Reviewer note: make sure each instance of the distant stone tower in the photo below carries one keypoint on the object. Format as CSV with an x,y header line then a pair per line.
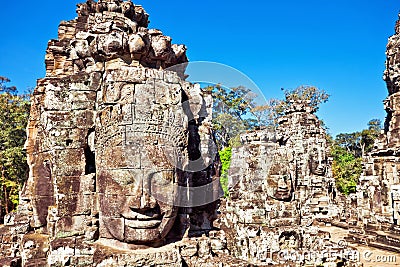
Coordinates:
x,y
302,134
375,209
379,187
280,182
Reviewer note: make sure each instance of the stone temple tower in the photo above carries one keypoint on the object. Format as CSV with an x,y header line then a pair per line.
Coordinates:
x,y
379,187
112,140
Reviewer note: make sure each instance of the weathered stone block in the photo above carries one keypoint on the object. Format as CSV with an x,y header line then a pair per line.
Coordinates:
x,y
62,100
127,94
34,246
126,74
40,210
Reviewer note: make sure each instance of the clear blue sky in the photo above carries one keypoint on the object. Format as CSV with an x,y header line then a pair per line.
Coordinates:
x,y
336,45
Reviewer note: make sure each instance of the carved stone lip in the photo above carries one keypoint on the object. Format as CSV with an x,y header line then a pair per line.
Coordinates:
x,y
282,191
319,172
138,220
282,194
136,216
136,224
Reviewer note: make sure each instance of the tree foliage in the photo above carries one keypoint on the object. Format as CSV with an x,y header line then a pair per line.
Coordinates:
x,y
14,114
347,152
232,113
311,96
236,109
360,143
225,156
346,169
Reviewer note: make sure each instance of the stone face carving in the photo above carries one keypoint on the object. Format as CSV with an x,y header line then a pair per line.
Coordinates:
x,y
139,128
289,240
137,151
111,139
279,185
317,162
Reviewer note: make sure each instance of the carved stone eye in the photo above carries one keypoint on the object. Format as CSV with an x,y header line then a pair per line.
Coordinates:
x,y
285,177
162,183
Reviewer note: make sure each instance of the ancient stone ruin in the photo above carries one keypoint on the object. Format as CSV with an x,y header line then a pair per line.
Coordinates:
x,y
376,206
112,136
281,183
124,170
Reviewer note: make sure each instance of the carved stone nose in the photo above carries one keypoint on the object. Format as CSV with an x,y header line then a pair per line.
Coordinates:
x,y
147,201
133,202
282,184
320,168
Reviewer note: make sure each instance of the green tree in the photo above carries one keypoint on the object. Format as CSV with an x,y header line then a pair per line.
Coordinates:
x,y
360,143
232,113
348,150
346,169
350,142
311,96
368,136
14,114
225,156
375,125
236,110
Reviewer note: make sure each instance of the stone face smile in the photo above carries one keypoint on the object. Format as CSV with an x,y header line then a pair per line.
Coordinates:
x,y
279,183
142,219
141,216
138,224
282,194
319,172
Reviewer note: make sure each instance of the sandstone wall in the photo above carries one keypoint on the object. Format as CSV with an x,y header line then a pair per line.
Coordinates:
x,y
114,139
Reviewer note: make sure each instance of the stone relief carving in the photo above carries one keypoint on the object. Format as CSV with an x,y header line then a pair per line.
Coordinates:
x,y
117,142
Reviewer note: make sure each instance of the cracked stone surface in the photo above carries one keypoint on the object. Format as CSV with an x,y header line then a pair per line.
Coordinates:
x,y
112,136
117,140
